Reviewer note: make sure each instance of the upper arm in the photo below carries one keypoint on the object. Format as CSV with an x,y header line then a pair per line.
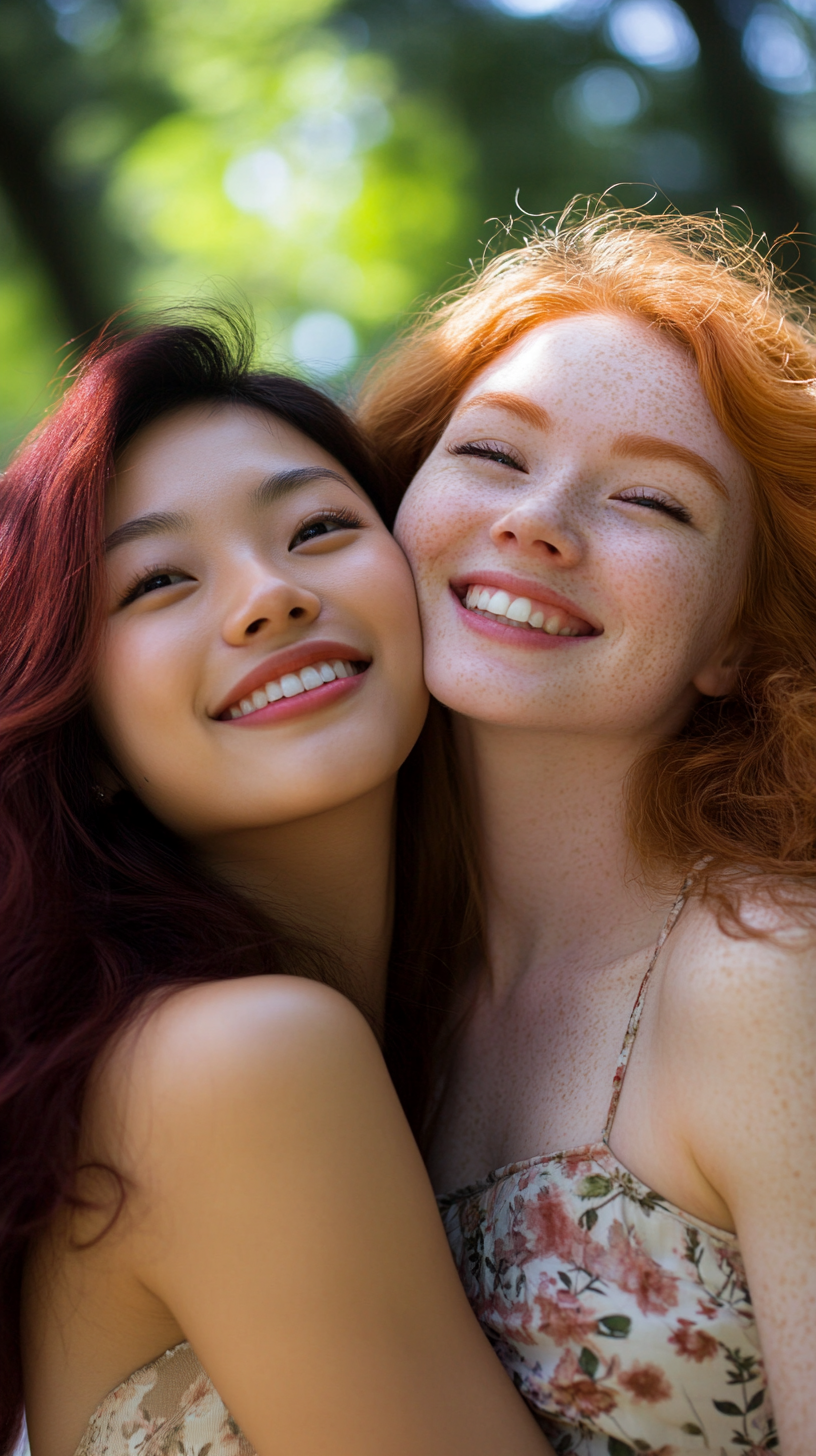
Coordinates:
x,y
751,1126
282,1214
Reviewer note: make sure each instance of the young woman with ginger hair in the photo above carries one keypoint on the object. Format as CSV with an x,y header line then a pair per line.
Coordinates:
x,y
210,674
608,441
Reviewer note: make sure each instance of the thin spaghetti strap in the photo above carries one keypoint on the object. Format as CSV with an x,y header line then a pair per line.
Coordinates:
x,y
637,1009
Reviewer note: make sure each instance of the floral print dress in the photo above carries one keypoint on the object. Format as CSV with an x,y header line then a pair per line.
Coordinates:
x,y
626,1324
168,1408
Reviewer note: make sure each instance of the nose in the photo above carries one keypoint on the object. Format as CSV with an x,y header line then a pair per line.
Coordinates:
x,y
266,605
538,526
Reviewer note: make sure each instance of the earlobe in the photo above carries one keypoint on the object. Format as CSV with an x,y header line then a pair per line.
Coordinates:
x,y
717,678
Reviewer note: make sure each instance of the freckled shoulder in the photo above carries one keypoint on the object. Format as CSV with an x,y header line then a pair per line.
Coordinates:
x,y
736,1033
723,976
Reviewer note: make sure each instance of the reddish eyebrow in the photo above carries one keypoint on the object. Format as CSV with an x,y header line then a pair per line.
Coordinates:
x,y
650,447
513,404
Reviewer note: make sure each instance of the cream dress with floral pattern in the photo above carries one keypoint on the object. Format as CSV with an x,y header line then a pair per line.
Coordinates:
x,y
168,1408
626,1324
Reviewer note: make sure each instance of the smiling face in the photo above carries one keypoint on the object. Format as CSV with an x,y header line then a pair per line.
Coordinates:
x,y
579,536
262,659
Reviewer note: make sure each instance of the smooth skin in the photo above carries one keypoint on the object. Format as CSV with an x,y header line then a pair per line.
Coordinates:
x,y
277,1213
586,461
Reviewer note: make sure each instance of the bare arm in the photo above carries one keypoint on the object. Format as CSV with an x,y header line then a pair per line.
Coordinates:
x,y
751,1126
280,1213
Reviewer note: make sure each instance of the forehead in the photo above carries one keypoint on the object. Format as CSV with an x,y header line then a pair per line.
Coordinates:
x,y
204,450
608,373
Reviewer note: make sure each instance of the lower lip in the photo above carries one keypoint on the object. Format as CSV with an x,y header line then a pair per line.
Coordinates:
x,y
310,701
537,640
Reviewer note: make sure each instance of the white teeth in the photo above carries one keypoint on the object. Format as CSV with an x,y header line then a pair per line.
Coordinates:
x,y
520,610
499,602
291,684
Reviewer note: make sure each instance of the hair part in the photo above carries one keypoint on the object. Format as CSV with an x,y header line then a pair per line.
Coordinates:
x,y
737,786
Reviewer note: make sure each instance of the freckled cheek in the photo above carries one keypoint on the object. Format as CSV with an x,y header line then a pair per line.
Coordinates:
x,y
433,521
672,603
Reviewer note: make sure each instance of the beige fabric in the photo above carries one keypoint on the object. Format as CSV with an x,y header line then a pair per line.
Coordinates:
x,y
168,1408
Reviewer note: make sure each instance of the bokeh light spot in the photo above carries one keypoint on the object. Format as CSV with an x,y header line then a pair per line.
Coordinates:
x,y
259,182
607,96
776,52
532,7
653,33
324,343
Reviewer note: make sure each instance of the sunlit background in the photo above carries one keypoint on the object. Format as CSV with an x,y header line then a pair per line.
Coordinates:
x,y
333,164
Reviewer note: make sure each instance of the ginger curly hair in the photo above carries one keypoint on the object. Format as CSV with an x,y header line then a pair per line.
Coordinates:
x,y
737,786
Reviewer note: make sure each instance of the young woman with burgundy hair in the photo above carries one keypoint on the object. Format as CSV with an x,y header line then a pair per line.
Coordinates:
x,y
608,440
210,674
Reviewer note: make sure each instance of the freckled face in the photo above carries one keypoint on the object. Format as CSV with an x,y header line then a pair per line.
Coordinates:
x,y
579,536
262,659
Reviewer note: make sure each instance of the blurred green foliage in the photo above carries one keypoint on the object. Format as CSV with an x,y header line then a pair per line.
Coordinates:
x,y
334,163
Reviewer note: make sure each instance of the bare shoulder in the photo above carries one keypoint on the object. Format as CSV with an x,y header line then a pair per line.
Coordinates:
x,y
741,982
215,1055
737,1031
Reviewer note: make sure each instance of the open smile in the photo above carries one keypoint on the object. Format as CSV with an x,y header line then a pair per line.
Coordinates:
x,y
538,616
294,681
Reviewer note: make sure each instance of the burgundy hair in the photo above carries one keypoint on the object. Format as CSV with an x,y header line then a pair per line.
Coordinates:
x,y
100,904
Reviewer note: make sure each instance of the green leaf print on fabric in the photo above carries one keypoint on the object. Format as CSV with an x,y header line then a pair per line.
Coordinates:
x,y
626,1326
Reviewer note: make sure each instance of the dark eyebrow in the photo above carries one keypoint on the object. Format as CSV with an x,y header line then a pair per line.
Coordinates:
x,y
157,523
514,404
284,482
651,447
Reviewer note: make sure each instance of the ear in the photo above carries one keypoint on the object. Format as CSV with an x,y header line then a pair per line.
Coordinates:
x,y
717,677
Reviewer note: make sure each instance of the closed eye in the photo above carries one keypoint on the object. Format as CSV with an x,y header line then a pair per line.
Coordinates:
x,y
654,501
491,450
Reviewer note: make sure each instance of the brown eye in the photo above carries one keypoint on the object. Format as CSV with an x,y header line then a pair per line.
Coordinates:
x,y
324,525
154,580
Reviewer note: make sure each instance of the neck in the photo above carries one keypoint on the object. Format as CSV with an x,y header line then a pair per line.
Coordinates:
x,y
561,881
330,876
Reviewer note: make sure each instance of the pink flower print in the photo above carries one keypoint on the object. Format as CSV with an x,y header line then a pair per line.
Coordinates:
x,y
706,1309
575,1393
551,1226
562,1317
554,1232
513,1246
730,1260
645,1383
633,1270
697,1345
578,1165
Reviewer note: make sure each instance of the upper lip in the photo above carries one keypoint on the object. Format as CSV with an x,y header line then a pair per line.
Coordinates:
x,y
522,586
288,659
